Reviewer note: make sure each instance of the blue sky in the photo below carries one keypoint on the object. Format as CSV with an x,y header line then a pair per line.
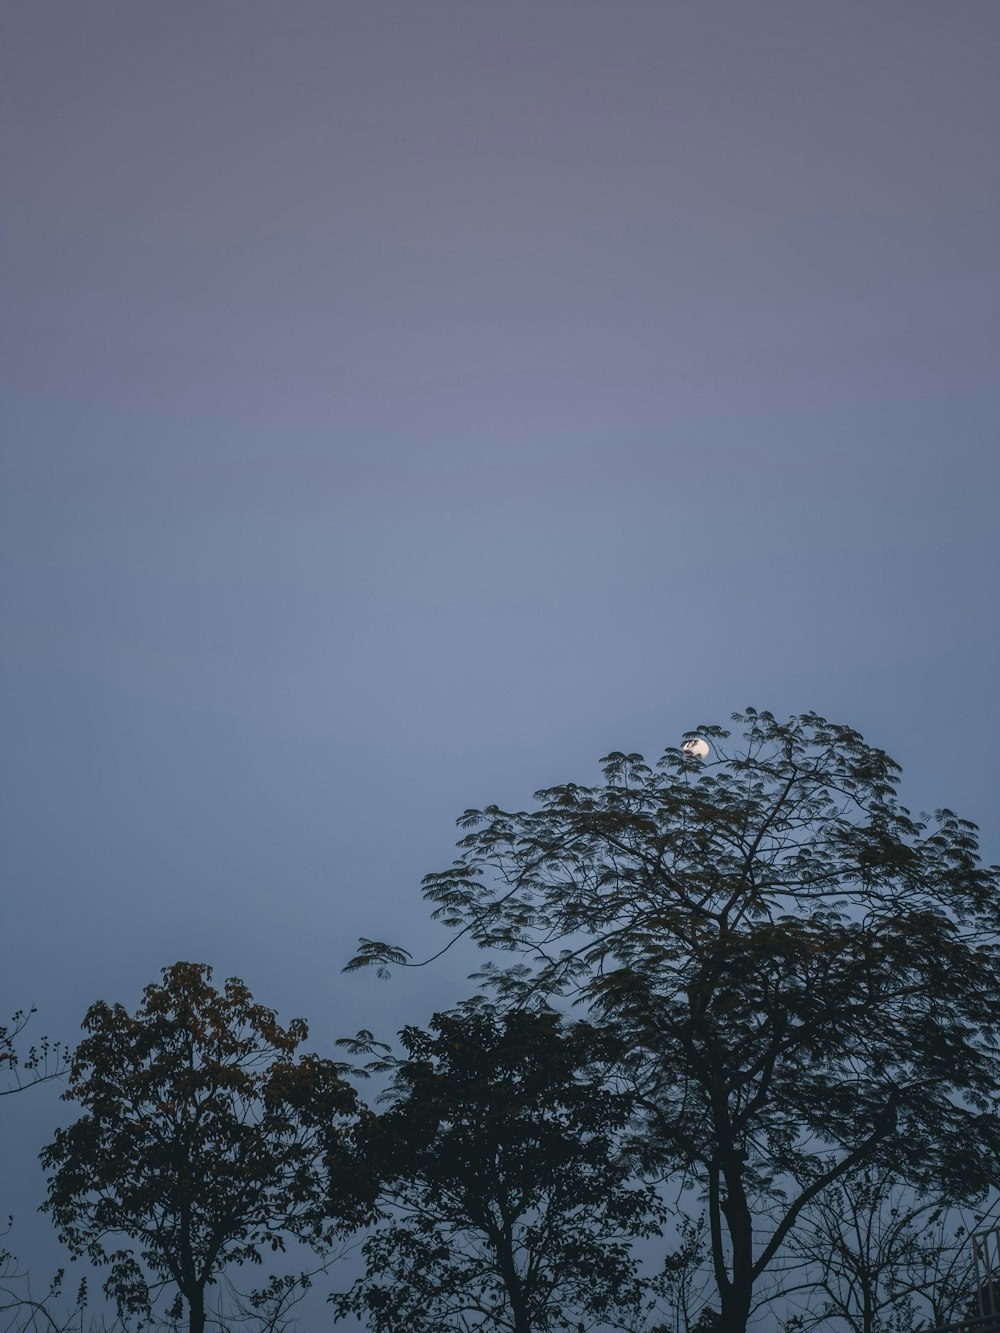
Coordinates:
x,y
405,405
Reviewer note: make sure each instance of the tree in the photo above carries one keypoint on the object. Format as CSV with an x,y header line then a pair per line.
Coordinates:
x,y
203,1139
507,1204
267,1310
882,1255
807,973
682,1284
24,1311
43,1061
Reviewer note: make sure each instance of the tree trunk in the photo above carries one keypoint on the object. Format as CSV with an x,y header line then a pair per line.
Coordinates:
x,y
735,1311
518,1305
196,1311
737,1297
512,1281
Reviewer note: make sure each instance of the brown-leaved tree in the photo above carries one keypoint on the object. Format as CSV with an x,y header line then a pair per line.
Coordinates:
x,y
203,1140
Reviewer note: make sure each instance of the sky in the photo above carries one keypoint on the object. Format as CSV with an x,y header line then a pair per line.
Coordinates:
x,y
404,405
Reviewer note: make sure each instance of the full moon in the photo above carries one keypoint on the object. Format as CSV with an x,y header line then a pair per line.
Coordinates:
x,y
696,746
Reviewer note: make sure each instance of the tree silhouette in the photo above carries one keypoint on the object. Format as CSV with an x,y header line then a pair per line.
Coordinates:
x,y
507,1204
43,1061
203,1139
882,1256
807,975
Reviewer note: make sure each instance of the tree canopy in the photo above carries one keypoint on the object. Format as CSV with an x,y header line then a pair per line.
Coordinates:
x,y
806,974
507,1201
204,1139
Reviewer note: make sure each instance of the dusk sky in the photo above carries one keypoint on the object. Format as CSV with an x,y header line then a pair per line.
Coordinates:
x,y
405,404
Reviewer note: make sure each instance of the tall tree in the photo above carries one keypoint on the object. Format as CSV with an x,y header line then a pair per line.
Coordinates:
x,y
808,974
204,1138
507,1204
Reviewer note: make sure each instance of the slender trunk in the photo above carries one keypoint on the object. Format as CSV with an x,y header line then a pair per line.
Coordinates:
x,y
512,1281
735,1286
737,1295
518,1305
196,1310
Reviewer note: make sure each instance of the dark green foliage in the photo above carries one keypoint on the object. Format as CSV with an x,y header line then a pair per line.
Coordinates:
x,y
203,1139
507,1203
807,975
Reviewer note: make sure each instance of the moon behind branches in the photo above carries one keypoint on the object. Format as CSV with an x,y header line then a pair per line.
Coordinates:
x,y
696,746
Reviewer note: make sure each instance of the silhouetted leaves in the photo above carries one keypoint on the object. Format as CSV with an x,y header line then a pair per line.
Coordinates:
x,y
203,1140
44,1059
507,1201
806,974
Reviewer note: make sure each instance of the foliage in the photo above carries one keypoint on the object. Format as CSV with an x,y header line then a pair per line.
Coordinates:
x,y
43,1061
808,974
21,1309
506,1201
682,1284
269,1309
882,1257
203,1139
